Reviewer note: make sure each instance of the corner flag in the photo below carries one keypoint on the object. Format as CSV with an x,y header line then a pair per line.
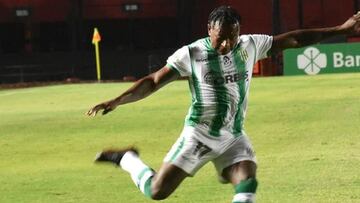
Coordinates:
x,y
96,36
95,40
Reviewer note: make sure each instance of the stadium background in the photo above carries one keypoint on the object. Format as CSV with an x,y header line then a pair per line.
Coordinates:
x,y
305,129
43,40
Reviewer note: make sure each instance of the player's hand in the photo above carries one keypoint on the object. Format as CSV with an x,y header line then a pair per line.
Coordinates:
x,y
352,25
106,107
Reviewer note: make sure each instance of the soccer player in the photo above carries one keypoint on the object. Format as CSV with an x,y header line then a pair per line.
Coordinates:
x,y
219,70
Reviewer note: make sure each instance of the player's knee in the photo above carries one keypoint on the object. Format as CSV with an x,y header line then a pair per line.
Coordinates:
x,y
160,190
165,182
159,193
239,172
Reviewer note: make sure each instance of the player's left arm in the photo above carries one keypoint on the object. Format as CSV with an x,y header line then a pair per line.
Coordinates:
x,y
305,37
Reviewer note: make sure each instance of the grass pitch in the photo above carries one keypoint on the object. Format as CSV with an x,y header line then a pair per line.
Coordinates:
x,y
305,130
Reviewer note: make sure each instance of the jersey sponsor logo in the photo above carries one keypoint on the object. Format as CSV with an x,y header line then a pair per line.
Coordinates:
x,y
312,61
210,57
215,78
226,60
203,60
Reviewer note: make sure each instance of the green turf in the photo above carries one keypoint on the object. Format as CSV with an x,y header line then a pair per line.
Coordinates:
x,y
305,130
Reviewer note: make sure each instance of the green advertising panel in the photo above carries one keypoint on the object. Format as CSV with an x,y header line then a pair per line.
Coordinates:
x,y
322,59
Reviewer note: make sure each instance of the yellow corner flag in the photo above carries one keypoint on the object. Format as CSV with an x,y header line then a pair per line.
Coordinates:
x,y
95,40
96,36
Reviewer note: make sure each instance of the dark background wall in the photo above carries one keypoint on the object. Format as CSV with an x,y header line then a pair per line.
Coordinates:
x,y
54,41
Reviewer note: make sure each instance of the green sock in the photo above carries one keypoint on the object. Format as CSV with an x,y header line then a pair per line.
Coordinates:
x,y
140,173
145,179
245,191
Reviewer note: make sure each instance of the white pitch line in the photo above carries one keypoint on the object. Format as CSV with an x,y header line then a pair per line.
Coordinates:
x,y
14,93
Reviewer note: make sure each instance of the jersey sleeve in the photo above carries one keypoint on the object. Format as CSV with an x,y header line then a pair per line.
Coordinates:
x,y
263,44
180,61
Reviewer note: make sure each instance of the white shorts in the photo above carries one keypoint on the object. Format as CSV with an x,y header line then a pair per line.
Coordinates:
x,y
194,148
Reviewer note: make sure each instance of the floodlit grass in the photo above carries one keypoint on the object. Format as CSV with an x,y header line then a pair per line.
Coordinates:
x,y
305,130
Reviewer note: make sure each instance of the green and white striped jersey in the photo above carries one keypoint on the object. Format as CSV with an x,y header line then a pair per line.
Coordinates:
x,y
219,83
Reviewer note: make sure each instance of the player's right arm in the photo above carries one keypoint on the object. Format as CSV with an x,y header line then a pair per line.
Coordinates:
x,y
141,89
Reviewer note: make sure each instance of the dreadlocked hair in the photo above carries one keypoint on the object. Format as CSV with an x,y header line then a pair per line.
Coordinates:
x,y
224,15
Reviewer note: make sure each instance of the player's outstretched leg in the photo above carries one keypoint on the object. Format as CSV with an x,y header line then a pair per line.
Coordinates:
x,y
129,160
156,186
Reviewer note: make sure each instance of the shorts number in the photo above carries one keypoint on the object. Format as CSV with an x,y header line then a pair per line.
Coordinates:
x,y
201,149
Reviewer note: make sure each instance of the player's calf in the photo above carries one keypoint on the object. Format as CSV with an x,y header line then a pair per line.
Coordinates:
x,y
245,191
